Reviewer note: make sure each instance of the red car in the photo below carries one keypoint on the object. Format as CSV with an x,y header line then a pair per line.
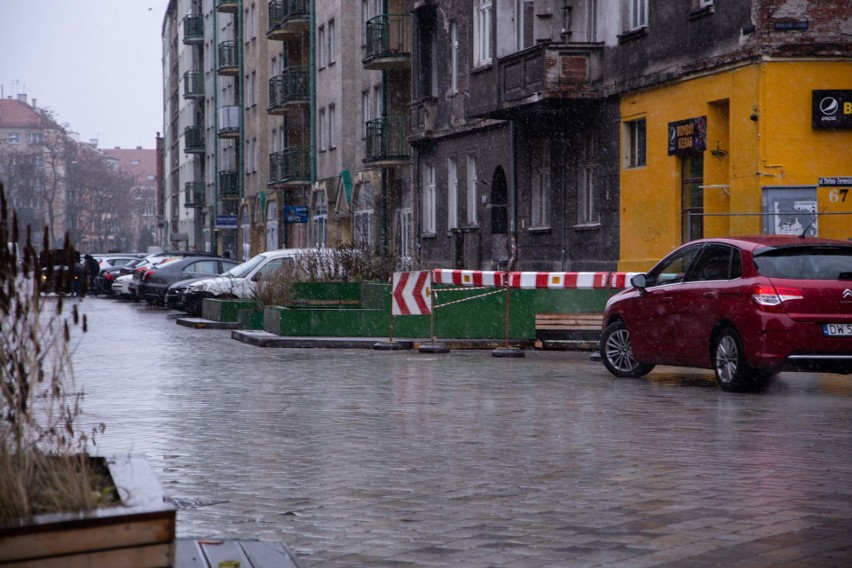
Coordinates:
x,y
746,307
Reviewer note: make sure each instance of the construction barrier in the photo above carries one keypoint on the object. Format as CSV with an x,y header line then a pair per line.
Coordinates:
x,y
533,280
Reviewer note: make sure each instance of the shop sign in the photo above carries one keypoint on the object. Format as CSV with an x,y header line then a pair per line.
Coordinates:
x,y
688,136
296,213
226,221
831,109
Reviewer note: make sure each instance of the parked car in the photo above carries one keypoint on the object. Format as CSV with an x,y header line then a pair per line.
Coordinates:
x,y
106,278
176,293
240,281
156,280
745,307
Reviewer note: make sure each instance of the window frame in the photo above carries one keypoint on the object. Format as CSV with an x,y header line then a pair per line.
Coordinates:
x,y
428,200
472,190
541,179
636,143
637,14
452,193
483,16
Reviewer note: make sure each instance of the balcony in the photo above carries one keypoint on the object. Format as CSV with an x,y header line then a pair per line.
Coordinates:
x,y
387,142
229,121
288,19
228,62
193,29
290,167
422,117
388,42
290,90
193,140
227,6
194,194
193,85
229,185
538,78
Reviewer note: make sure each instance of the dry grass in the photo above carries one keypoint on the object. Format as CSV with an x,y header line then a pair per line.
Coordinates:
x,y
44,463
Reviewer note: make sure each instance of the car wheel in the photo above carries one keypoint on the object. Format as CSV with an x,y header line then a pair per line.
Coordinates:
x,y
732,372
617,353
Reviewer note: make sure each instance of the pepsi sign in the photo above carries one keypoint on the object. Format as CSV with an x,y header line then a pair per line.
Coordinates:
x,y
831,109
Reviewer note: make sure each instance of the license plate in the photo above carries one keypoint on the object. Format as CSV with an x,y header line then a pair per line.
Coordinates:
x,y
837,329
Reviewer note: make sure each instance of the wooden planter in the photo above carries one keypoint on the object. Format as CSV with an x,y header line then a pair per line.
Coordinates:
x,y
138,533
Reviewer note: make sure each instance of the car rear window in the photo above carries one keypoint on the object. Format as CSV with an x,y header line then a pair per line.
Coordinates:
x,y
805,262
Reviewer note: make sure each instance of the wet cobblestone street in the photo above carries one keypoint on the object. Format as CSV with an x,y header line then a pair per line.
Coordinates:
x,y
401,459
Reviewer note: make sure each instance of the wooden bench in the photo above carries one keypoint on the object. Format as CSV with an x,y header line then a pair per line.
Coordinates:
x,y
579,330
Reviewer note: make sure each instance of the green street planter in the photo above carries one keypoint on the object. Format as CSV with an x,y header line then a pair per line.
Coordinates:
x,y
138,532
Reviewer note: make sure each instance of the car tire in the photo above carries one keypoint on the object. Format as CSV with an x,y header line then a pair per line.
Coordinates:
x,y
732,372
617,353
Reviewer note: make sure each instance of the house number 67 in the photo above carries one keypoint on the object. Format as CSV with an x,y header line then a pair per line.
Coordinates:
x,y
836,195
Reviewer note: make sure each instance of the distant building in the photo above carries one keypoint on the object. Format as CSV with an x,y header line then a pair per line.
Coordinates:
x,y
141,164
32,168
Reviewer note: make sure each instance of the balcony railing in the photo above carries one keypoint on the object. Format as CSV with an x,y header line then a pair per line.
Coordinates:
x,y
231,6
229,121
193,140
387,141
193,85
228,61
536,78
289,90
194,194
193,29
388,42
290,166
288,18
229,185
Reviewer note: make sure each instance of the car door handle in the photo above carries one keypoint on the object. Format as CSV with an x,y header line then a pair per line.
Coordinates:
x,y
711,295
667,299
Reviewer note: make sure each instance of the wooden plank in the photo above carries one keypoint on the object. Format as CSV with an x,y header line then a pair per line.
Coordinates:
x,y
152,556
188,554
569,322
224,551
72,540
268,554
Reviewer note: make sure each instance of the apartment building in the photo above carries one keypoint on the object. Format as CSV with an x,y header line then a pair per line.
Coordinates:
x,y
33,167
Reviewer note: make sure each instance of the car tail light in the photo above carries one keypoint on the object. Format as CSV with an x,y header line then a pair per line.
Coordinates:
x,y
772,298
147,275
109,277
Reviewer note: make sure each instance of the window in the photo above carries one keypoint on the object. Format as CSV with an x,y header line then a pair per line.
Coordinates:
x,y
471,190
692,196
319,219
717,262
253,89
406,223
637,14
245,230
362,226
332,40
452,193
332,126
672,270
271,225
321,47
321,130
429,199
454,58
587,206
35,138
540,180
377,100
591,20
365,112
134,162
523,24
365,17
482,32
635,142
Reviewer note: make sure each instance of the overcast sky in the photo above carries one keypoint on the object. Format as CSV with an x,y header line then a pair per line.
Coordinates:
x,y
95,63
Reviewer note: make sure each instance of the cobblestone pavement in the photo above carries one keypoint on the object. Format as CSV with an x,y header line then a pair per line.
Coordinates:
x,y
406,460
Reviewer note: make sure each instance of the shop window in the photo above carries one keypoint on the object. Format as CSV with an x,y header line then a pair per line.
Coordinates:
x,y
692,196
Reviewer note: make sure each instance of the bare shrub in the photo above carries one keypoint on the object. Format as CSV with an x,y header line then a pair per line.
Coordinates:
x,y
277,288
347,263
44,462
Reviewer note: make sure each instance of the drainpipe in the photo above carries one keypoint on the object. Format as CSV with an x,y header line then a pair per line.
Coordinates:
x,y
216,234
313,90
383,202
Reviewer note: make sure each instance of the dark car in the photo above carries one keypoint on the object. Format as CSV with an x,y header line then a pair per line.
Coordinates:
x,y
107,276
745,307
156,280
176,294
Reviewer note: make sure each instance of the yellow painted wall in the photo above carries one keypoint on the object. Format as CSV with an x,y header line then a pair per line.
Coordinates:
x,y
779,148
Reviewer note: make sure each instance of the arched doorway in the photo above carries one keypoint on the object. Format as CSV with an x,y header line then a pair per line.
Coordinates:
x,y
499,217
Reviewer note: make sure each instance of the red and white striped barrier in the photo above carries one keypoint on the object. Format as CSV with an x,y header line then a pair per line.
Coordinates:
x,y
534,280
477,278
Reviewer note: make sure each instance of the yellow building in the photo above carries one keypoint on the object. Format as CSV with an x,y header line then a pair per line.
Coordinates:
x,y
743,150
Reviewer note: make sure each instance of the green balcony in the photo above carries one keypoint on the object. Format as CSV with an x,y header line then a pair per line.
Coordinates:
x,y
193,29
193,85
228,61
288,19
290,90
194,194
193,140
290,167
388,42
229,185
227,6
387,142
